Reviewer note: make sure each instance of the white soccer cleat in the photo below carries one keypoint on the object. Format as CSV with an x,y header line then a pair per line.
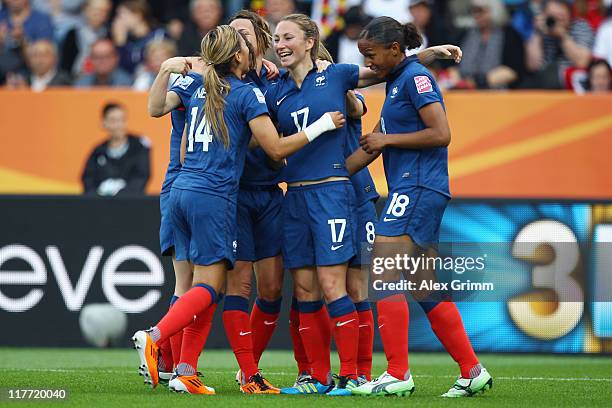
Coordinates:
x,y
240,379
468,387
386,384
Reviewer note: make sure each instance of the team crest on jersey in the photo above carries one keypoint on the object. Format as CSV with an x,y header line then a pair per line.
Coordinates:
x,y
320,81
184,82
394,92
423,84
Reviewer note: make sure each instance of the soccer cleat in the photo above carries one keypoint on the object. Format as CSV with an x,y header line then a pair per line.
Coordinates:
x,y
240,379
147,353
362,379
308,386
343,387
258,385
189,384
468,387
386,384
164,378
302,378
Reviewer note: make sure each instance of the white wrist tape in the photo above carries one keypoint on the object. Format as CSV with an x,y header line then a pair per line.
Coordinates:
x,y
319,126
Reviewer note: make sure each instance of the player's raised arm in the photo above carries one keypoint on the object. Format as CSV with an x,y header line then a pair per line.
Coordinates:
x,y
369,76
161,101
278,148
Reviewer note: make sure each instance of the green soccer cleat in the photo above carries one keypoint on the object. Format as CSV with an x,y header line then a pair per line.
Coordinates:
x,y
468,387
386,384
343,387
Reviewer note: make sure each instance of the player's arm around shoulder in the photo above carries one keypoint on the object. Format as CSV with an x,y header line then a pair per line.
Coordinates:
x,y
161,101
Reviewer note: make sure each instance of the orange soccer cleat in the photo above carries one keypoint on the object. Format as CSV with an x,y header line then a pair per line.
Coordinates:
x,y
189,384
259,385
148,354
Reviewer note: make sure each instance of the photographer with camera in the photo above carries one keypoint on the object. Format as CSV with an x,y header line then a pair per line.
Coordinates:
x,y
557,44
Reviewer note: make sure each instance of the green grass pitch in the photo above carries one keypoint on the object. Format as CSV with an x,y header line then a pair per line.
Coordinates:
x,y
109,378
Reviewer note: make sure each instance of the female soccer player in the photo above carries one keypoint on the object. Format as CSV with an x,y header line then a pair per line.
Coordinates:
x,y
259,230
319,232
162,101
221,116
414,139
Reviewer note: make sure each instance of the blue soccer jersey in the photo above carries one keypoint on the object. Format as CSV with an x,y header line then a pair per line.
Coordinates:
x,y
365,190
295,108
257,172
409,88
184,87
209,166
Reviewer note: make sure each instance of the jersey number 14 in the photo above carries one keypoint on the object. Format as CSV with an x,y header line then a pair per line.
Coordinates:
x,y
202,133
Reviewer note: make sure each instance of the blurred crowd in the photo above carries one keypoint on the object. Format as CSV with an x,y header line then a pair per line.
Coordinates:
x,y
507,44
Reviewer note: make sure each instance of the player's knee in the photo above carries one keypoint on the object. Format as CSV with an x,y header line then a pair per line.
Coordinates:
x,y
270,292
332,288
356,291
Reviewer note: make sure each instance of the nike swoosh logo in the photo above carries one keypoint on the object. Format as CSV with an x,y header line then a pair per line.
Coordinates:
x,y
303,328
340,324
334,247
244,333
267,323
364,325
381,326
281,100
389,219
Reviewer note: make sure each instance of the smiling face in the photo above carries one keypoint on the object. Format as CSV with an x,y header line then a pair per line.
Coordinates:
x,y
290,44
245,27
379,58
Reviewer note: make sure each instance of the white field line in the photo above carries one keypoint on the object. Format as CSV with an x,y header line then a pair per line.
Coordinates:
x,y
105,371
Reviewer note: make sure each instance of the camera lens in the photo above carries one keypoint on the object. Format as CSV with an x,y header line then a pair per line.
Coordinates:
x,y
550,22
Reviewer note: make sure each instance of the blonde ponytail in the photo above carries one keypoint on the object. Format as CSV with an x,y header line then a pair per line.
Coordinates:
x,y
218,49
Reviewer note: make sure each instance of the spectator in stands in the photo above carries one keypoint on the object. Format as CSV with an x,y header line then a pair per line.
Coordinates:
x,y
120,165
205,15
558,43
41,58
156,52
64,14
343,45
105,70
493,52
20,24
275,10
398,9
132,29
77,42
592,11
433,30
603,40
599,77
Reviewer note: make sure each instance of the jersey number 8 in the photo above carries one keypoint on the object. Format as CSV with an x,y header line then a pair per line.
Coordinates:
x,y
202,133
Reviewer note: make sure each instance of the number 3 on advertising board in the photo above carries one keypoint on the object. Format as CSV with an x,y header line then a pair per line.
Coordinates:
x,y
530,311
